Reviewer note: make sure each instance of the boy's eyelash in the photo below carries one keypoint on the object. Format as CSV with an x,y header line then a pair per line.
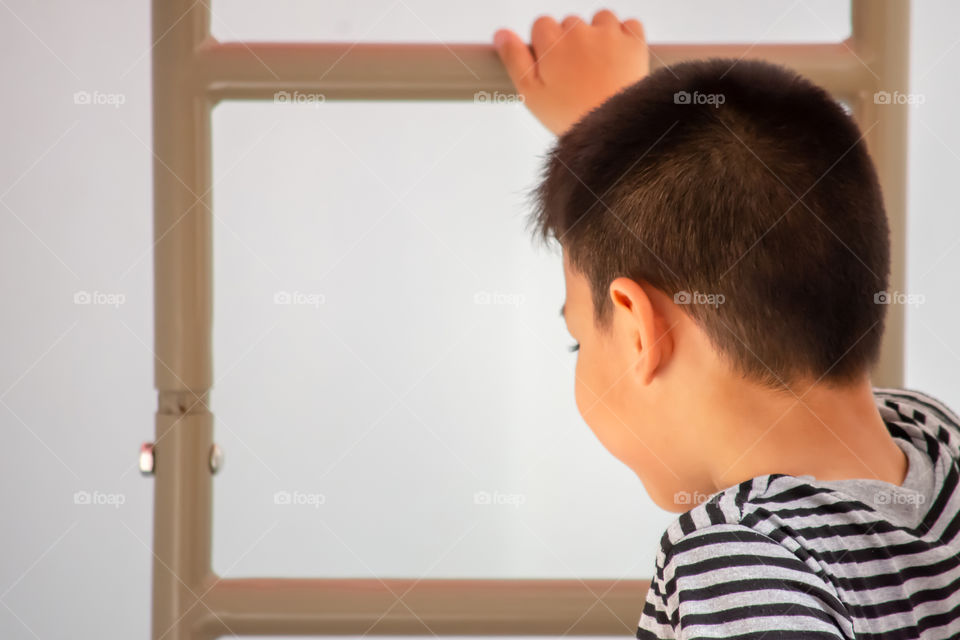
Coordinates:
x,y
575,347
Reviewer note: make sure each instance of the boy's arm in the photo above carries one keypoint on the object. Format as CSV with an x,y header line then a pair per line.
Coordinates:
x,y
727,580
572,67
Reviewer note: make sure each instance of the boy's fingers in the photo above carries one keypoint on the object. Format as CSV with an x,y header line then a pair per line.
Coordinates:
x,y
544,33
635,28
570,22
605,17
516,57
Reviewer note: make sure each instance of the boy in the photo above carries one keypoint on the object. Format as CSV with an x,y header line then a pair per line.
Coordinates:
x,y
725,250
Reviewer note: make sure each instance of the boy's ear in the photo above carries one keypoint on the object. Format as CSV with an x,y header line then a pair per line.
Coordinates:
x,y
642,325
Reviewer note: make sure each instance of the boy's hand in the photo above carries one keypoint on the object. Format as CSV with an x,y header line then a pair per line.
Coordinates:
x,y
572,67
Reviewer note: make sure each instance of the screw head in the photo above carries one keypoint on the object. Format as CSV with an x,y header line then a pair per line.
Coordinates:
x,y
147,459
216,458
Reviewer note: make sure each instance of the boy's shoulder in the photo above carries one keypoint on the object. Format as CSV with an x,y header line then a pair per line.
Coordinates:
x,y
757,548
729,515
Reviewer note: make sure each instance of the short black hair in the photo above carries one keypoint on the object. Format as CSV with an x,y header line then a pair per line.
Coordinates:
x,y
731,178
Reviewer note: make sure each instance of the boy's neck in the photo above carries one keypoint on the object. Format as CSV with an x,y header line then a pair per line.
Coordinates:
x,y
829,433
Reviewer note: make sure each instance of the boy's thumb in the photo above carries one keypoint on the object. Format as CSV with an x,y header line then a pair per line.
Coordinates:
x,y
515,55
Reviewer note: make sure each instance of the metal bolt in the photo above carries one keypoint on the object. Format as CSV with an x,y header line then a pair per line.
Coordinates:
x,y
147,459
216,458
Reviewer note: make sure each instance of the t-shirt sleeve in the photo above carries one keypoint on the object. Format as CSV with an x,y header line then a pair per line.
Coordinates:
x,y
728,581
655,621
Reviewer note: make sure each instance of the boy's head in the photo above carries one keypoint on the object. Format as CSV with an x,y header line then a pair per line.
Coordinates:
x,y
722,227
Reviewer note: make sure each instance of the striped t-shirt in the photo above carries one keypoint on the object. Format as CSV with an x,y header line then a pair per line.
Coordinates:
x,y
781,556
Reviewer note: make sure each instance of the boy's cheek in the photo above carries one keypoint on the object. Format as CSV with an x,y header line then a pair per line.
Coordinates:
x,y
586,403
632,429
599,403
584,386
609,427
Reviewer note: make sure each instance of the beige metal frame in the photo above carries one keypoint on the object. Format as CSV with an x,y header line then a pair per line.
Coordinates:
x,y
191,73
